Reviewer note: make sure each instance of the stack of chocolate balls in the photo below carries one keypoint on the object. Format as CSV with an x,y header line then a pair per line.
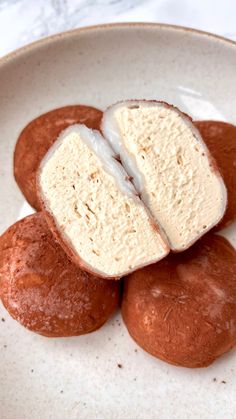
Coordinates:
x,y
181,309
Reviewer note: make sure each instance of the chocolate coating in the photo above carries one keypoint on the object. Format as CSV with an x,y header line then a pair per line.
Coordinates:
x,y
183,309
220,138
38,136
43,290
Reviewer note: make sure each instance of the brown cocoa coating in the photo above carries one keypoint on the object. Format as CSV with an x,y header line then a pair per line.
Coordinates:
x,y
183,309
38,136
220,138
43,290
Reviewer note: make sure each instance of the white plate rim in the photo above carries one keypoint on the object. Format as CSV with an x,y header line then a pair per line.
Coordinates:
x,y
124,25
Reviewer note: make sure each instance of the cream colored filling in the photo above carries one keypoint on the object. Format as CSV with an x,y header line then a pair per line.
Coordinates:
x,y
170,166
94,206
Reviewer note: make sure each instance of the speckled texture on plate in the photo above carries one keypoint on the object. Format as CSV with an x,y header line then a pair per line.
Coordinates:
x,y
105,375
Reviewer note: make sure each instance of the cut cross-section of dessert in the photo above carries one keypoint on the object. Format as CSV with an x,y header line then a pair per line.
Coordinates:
x,y
92,206
172,169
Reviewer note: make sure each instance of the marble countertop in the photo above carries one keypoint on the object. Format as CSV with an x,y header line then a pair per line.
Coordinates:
x,y
23,21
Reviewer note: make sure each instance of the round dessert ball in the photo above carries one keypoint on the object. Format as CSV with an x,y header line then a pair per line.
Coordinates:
x,y
183,309
43,290
38,136
220,138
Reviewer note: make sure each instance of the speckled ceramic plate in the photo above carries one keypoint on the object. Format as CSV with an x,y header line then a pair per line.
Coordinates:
x,y
70,378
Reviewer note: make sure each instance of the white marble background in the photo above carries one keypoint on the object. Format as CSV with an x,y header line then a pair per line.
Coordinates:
x,y
23,21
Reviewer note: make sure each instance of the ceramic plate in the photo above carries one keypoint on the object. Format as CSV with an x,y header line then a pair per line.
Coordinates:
x,y
79,377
